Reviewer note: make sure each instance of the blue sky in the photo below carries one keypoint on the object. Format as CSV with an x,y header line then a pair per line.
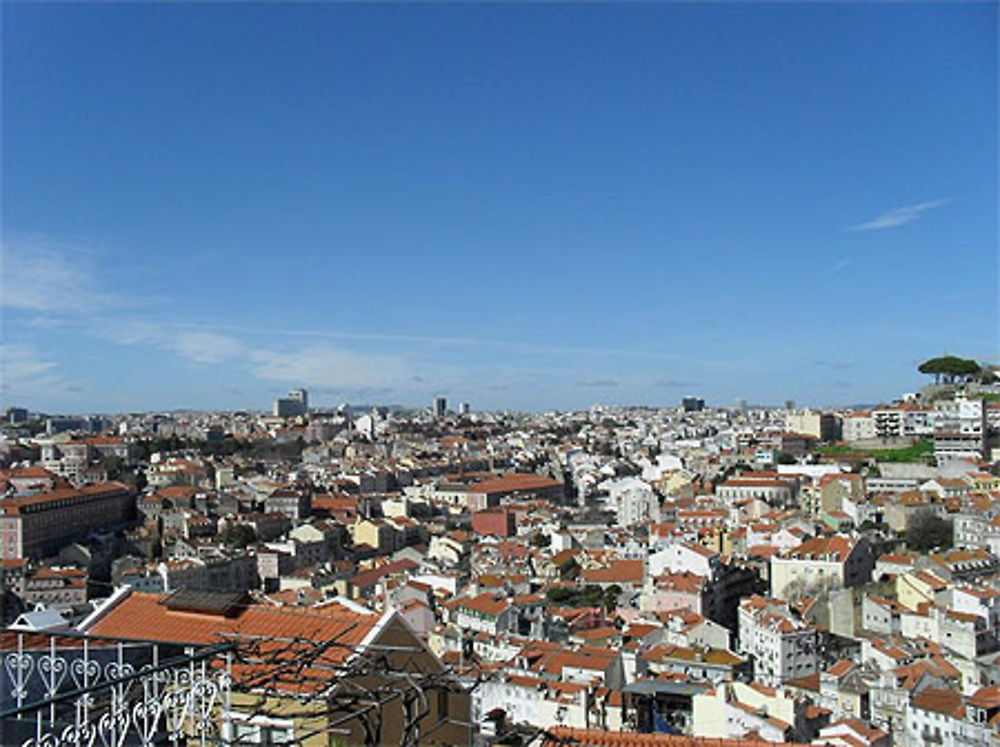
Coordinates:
x,y
521,206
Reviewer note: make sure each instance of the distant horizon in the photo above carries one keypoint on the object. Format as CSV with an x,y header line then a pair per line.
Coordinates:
x,y
526,206
324,408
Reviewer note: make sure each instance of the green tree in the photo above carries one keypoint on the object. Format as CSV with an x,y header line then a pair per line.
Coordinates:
x,y
611,597
950,368
926,530
540,539
238,535
113,465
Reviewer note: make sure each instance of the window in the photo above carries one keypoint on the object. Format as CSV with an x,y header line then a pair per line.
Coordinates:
x,y
442,704
262,730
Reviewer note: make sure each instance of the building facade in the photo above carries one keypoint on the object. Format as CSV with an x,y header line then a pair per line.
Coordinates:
x,y
39,525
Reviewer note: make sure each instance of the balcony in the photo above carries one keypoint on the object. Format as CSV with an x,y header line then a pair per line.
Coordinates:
x,y
70,689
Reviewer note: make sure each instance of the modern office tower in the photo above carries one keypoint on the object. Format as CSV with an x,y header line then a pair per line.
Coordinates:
x,y
293,405
464,409
16,415
440,407
693,404
301,396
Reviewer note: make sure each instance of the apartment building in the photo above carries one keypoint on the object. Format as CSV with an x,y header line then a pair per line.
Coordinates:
x,y
858,426
764,486
823,426
822,562
960,429
782,646
39,525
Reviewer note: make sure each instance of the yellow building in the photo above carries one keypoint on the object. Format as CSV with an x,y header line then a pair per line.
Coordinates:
x,y
918,587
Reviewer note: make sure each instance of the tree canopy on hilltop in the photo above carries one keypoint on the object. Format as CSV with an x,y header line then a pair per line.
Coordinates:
x,y
950,368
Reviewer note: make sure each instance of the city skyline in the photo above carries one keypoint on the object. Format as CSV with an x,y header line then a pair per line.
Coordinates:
x,y
524,207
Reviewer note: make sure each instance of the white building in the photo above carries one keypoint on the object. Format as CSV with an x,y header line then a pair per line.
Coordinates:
x,y
858,426
533,701
960,429
635,502
938,716
821,563
681,557
735,709
782,646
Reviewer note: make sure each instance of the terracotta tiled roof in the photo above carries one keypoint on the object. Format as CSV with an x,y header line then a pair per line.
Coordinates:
x,y
841,668
809,682
28,472
515,483
487,604
899,559
836,548
373,576
66,573
859,727
18,503
145,617
986,697
620,571
947,702
597,738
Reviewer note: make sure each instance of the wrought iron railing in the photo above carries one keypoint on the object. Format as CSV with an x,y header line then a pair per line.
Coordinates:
x,y
91,691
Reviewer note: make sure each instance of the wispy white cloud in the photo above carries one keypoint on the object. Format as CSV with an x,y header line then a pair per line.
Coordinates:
x,y
330,367
206,347
842,264
898,216
673,383
24,372
433,341
598,383
22,361
41,275
127,331
323,367
836,365
198,345
58,286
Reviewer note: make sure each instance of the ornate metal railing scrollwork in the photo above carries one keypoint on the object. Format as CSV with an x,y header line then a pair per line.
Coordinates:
x,y
63,689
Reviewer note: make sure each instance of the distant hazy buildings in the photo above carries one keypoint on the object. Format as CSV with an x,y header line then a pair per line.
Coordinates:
x,y
295,404
87,424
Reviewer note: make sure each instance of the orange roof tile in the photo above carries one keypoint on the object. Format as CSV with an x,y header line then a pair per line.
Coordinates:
x,y
515,483
143,616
